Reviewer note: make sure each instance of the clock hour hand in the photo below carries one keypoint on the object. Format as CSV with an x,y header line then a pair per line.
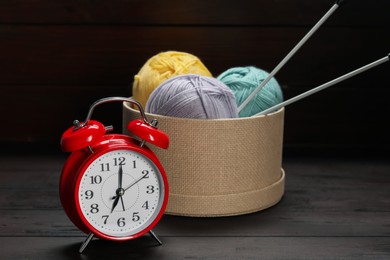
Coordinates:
x,y
115,203
119,194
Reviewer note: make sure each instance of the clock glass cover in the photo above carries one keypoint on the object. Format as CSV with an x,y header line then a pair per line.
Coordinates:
x,y
120,193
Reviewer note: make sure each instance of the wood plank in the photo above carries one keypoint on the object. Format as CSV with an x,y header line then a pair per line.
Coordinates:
x,y
43,113
106,55
332,209
200,248
277,221
190,12
323,197
340,115
324,184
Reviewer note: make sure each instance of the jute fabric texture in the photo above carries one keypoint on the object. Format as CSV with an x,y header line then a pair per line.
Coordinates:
x,y
220,167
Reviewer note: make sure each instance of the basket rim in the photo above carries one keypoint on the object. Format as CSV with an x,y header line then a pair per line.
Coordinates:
x,y
127,105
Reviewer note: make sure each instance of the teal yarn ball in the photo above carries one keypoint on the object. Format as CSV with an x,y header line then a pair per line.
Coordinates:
x,y
192,96
243,80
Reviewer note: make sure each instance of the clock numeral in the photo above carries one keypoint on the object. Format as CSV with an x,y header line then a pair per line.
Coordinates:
x,y
88,194
145,205
134,164
136,217
145,172
119,161
105,217
121,222
104,167
94,208
96,179
150,189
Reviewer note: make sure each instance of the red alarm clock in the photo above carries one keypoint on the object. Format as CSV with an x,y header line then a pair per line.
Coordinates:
x,y
113,186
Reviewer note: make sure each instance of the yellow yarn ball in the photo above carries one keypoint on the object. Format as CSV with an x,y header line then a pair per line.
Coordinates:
x,y
162,67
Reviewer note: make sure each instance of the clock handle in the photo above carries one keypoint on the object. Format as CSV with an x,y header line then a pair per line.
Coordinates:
x,y
83,134
115,99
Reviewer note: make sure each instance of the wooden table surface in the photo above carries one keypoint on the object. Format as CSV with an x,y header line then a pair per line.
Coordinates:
x,y
333,208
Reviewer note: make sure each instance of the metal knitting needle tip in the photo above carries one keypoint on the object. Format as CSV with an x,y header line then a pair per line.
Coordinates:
x,y
326,85
289,55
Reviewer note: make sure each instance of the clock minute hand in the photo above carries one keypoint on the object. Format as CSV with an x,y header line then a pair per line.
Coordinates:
x,y
120,177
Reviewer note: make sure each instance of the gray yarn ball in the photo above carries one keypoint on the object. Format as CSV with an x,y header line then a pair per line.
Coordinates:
x,y
193,96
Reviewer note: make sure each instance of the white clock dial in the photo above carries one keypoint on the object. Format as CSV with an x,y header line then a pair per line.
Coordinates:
x,y
121,193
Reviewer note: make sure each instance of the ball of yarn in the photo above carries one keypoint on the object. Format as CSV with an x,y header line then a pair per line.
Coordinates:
x,y
193,96
162,67
243,80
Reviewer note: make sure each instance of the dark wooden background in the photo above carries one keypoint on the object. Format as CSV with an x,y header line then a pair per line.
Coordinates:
x,y
57,57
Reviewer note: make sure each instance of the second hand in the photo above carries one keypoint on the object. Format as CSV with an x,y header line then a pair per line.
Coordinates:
x,y
131,185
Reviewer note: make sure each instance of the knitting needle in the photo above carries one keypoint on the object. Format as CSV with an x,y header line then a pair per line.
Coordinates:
x,y
326,85
290,54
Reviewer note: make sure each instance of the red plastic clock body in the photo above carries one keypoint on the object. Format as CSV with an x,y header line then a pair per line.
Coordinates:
x,y
78,162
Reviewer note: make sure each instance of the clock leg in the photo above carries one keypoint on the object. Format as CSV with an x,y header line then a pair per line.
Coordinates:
x,y
86,242
155,237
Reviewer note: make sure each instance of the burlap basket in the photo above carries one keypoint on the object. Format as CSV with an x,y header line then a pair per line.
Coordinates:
x,y
220,167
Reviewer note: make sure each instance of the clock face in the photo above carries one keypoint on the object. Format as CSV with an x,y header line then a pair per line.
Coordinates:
x,y
121,193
